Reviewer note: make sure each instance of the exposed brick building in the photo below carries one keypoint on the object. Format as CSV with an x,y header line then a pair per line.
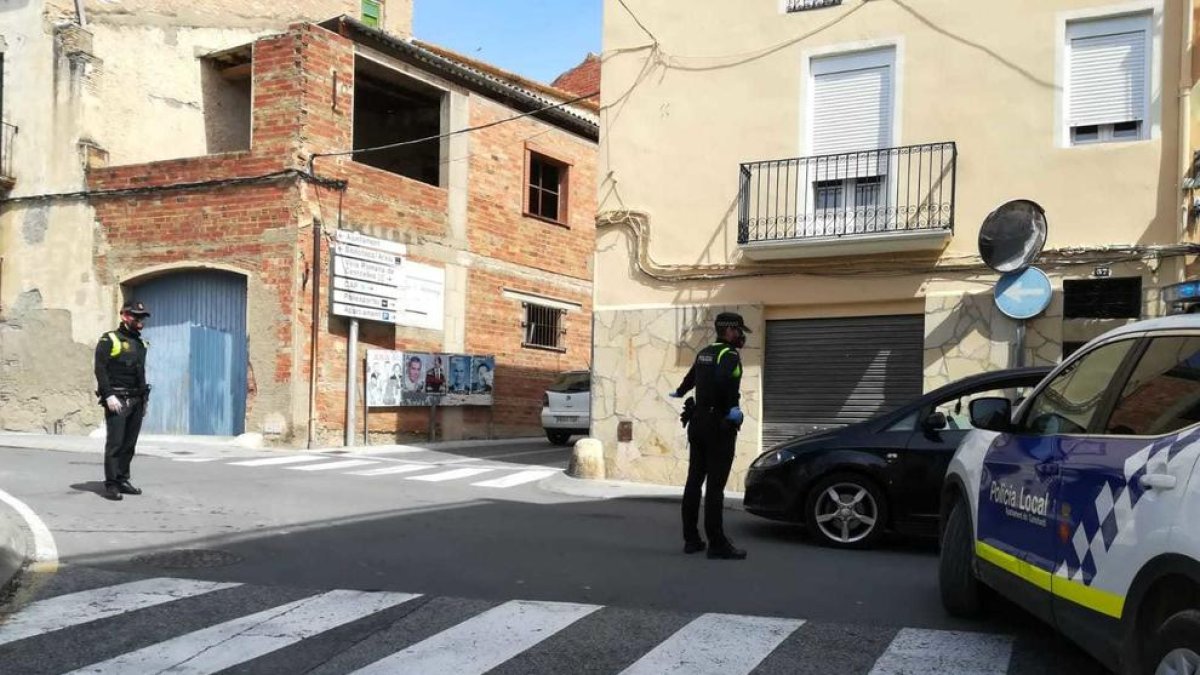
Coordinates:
x,y
583,79
462,203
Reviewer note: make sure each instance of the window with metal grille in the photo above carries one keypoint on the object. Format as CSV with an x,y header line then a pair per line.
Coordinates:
x,y
544,326
801,5
547,181
1116,298
371,12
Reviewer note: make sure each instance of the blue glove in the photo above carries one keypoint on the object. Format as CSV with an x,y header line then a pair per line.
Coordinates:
x,y
735,415
675,394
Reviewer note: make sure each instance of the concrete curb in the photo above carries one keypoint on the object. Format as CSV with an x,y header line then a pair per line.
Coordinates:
x,y
16,544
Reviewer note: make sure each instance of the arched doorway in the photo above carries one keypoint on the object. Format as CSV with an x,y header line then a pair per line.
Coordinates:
x,y
198,353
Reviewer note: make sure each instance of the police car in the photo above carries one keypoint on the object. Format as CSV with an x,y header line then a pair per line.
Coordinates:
x,y
1084,506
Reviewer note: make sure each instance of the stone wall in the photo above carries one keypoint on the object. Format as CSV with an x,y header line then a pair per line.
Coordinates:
x,y
640,356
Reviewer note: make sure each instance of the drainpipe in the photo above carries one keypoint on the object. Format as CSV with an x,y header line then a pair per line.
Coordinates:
x,y
316,327
1185,111
80,13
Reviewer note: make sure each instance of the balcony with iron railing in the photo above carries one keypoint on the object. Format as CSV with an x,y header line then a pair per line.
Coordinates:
x,y
874,201
8,133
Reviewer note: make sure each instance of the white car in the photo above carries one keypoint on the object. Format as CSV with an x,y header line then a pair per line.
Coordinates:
x,y
567,407
1084,506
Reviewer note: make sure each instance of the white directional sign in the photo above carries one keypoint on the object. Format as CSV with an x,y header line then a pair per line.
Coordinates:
x,y
352,251
358,286
357,239
367,313
362,270
350,298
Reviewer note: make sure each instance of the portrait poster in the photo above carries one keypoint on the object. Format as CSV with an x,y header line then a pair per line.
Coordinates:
x,y
424,379
385,378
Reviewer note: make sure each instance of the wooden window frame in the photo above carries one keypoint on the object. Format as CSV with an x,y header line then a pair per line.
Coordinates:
x,y
362,6
564,186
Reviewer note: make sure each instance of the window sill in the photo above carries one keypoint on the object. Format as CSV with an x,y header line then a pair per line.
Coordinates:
x,y
544,348
544,219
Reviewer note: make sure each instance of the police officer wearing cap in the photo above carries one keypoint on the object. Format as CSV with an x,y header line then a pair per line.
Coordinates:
x,y
121,385
712,432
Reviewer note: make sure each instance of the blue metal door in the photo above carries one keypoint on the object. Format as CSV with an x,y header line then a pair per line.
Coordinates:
x,y
198,353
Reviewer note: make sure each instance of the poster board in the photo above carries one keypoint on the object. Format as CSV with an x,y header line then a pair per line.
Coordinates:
x,y
408,379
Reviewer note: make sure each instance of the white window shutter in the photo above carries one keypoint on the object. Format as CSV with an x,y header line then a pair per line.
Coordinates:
x,y
1107,79
852,110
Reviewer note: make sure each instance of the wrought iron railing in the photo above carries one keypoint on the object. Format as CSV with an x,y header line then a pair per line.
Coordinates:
x,y
858,193
801,5
8,133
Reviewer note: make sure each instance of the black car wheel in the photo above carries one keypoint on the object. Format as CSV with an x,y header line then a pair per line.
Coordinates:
x,y
558,436
956,575
846,510
1176,646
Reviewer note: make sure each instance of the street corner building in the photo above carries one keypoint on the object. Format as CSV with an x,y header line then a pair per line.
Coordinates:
x,y
823,167
206,159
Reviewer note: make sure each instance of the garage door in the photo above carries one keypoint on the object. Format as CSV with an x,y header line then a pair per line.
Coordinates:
x,y
824,373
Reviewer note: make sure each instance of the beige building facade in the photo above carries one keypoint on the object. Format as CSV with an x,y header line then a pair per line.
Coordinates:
x,y
824,168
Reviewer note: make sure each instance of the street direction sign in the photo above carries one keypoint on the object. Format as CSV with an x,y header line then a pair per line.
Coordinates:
x,y
388,275
380,257
356,312
359,286
350,298
365,241
1023,294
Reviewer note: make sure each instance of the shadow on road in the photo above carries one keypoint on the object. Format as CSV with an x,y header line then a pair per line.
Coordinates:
x,y
95,487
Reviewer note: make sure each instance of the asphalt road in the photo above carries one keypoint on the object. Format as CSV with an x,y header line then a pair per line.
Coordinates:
x,y
471,532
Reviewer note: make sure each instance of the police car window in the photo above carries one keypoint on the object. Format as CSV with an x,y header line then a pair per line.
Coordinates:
x,y
906,423
1068,404
1163,393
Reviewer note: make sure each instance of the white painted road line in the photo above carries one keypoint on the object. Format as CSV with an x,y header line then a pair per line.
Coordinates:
x,y
716,644
330,466
937,652
276,461
228,644
45,551
484,642
197,460
450,475
74,609
518,478
390,470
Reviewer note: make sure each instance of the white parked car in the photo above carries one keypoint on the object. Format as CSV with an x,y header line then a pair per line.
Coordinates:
x,y
1083,507
567,407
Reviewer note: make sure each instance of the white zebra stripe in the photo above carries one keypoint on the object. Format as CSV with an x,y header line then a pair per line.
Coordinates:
x,y
226,645
330,466
518,478
277,461
391,470
480,644
938,652
65,611
449,475
716,644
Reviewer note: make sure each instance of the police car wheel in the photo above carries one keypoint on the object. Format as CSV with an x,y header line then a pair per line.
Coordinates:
x,y
846,510
959,588
558,437
1176,646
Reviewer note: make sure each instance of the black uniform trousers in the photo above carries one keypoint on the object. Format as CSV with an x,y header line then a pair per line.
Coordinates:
x,y
710,458
123,429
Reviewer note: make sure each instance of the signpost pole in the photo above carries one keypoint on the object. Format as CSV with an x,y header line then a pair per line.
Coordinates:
x,y
351,381
1019,357
433,421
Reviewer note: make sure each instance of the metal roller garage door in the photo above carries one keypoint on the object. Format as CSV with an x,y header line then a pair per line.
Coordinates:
x,y
823,373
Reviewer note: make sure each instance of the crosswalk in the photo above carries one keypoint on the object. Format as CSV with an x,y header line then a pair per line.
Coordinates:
x,y
183,626
492,476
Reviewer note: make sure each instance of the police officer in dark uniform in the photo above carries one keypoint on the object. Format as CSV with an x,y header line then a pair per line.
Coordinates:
x,y
121,385
712,432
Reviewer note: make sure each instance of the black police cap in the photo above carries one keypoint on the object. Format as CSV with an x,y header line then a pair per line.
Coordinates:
x,y
731,320
135,308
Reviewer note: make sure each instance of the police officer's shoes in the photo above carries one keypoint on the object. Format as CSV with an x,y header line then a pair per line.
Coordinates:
x,y
112,492
127,488
726,552
693,546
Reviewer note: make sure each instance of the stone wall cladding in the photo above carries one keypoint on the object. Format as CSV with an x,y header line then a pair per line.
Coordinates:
x,y
641,356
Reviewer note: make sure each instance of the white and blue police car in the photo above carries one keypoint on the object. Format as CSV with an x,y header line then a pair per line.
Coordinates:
x,y
1083,506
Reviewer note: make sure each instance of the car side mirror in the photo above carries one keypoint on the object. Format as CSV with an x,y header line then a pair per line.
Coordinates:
x,y
992,414
936,421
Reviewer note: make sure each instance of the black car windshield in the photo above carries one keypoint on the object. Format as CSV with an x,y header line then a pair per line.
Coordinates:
x,y
570,383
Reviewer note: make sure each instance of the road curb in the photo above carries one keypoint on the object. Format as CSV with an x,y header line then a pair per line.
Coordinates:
x,y
26,545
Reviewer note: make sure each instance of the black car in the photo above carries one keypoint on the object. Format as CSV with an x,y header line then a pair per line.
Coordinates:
x,y
849,485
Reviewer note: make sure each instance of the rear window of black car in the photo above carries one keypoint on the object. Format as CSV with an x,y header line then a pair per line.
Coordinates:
x,y
570,383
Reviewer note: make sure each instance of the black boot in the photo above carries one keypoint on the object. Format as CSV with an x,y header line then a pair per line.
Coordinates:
x,y
127,488
112,492
693,546
726,551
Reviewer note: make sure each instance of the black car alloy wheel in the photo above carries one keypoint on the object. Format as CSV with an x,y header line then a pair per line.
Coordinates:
x,y
558,437
960,589
1176,646
846,510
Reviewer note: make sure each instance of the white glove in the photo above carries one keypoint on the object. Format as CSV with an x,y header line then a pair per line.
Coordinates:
x,y
114,405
